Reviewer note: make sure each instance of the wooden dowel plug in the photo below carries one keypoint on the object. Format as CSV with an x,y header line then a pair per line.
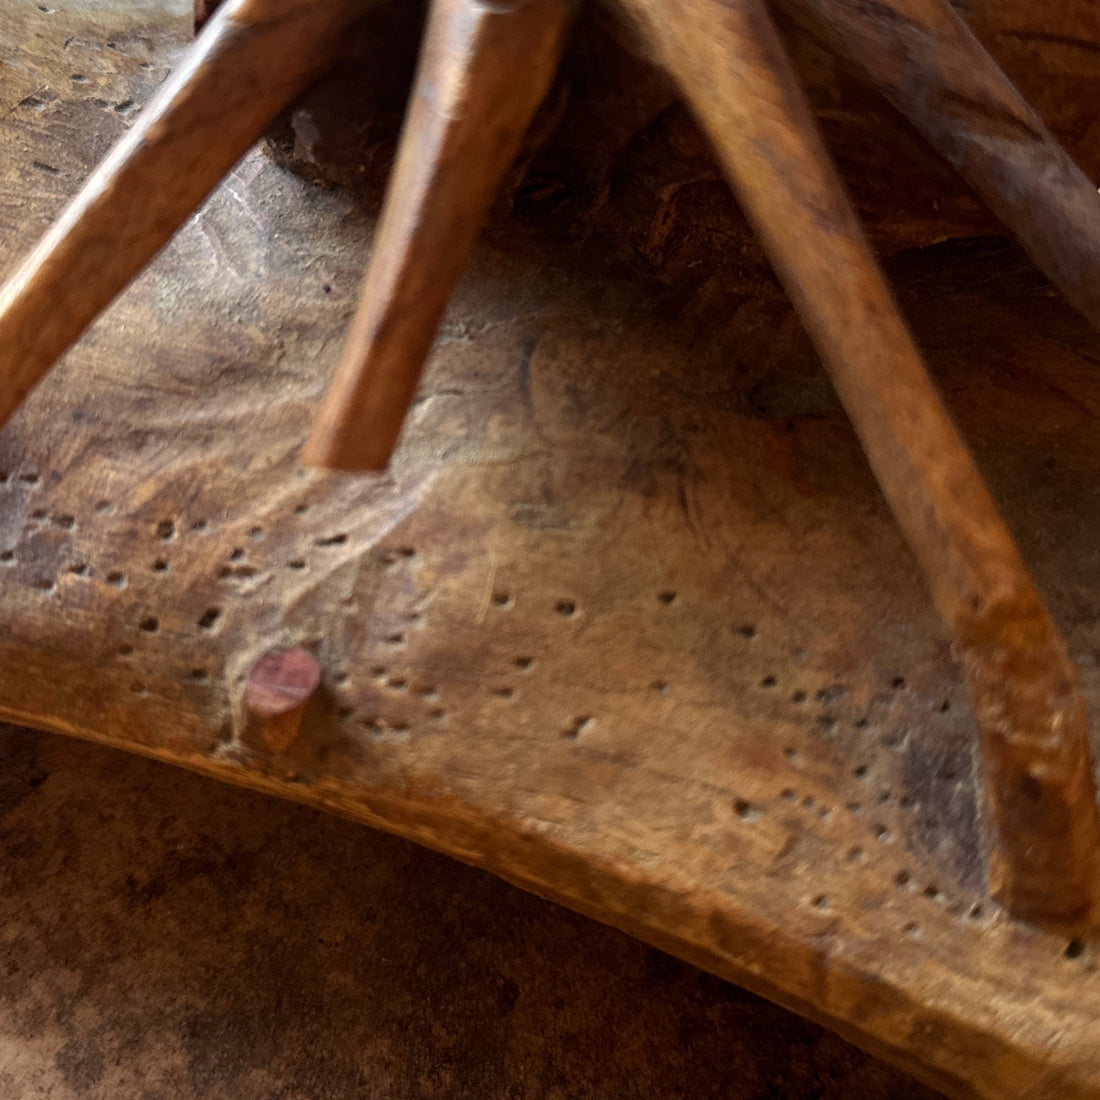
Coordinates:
x,y
484,69
1044,861
252,58
279,688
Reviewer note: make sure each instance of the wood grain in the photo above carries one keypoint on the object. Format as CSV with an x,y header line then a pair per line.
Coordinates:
x,y
251,59
923,57
629,630
1044,859
484,69
612,113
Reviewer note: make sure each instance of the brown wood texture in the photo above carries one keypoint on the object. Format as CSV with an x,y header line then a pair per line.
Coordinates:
x,y
610,112
631,631
924,58
252,58
483,73
1041,797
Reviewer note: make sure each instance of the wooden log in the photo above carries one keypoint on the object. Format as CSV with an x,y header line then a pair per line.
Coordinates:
x,y
251,59
1041,800
484,69
923,57
277,692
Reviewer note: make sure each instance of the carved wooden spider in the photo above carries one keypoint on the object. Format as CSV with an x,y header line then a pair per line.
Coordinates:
x,y
485,66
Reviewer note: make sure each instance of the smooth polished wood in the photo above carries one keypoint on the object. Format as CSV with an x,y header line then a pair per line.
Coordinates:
x,y
484,69
251,59
922,56
1044,847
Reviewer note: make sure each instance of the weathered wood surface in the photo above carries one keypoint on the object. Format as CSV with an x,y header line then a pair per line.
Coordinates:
x,y
922,56
484,70
1041,800
613,146
253,58
630,626
230,947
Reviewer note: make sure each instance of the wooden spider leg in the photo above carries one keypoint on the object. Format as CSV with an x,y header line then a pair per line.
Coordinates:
x,y
925,60
251,60
484,69
1039,791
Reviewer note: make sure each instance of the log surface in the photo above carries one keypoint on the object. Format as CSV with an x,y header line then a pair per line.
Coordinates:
x,y
628,624
1039,791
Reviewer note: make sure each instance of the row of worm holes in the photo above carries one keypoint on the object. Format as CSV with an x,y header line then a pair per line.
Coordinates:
x,y
745,810
500,599
166,532
579,724
903,879
208,620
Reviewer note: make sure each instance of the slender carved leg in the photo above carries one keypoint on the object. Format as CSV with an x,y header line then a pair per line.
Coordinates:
x,y
251,59
922,56
484,69
1039,790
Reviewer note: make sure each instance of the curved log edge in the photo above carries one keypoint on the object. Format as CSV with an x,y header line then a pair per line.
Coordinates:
x,y
630,628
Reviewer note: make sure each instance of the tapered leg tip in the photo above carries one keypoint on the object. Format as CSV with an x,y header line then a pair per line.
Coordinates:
x,y
339,456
